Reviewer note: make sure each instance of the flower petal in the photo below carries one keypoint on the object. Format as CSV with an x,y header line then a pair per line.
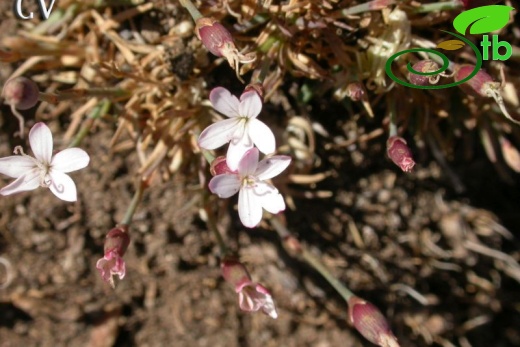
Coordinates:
x,y
224,185
250,104
267,301
262,136
62,186
224,102
16,165
218,134
248,162
273,203
236,152
70,159
30,181
249,208
272,166
40,138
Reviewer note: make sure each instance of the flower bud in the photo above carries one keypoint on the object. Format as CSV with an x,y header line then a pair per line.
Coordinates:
x,y
424,66
252,296
21,92
219,167
355,91
370,322
479,85
112,263
399,152
214,36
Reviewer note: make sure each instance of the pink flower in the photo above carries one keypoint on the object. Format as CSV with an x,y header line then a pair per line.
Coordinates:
x,y
43,170
251,296
249,181
400,154
112,263
242,129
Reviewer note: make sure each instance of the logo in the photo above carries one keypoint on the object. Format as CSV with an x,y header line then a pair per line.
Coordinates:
x,y
42,6
480,20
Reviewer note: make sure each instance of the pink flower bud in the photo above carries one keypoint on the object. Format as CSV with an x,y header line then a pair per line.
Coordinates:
x,y
355,91
479,85
214,36
482,85
219,167
424,66
370,322
251,296
399,152
112,263
21,92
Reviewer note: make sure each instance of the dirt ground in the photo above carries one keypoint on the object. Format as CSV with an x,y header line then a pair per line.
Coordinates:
x,y
437,250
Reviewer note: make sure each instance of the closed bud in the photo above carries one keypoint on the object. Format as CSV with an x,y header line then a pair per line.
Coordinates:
x,y
398,151
21,92
479,85
214,36
370,322
424,66
355,91
482,85
219,167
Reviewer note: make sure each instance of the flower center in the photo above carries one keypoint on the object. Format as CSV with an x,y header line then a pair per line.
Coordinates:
x,y
43,168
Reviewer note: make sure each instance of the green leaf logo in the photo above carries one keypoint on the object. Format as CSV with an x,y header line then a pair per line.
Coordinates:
x,y
482,20
451,45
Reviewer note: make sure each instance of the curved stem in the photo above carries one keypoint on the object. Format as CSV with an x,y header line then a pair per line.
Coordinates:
x,y
136,199
194,12
309,258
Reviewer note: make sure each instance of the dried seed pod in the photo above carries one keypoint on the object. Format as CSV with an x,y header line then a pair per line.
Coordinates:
x,y
424,66
481,85
21,93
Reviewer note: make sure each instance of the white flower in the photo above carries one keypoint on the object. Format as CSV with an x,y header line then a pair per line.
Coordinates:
x,y
43,170
254,194
242,130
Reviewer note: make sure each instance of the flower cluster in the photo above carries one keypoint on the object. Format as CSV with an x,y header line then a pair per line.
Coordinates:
x,y
244,174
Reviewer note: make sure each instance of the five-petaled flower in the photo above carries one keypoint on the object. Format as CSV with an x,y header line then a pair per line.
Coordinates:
x,y
254,194
242,130
251,296
43,170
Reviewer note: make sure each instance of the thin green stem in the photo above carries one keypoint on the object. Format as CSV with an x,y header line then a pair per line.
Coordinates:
x,y
212,224
392,131
312,260
194,12
136,199
97,112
